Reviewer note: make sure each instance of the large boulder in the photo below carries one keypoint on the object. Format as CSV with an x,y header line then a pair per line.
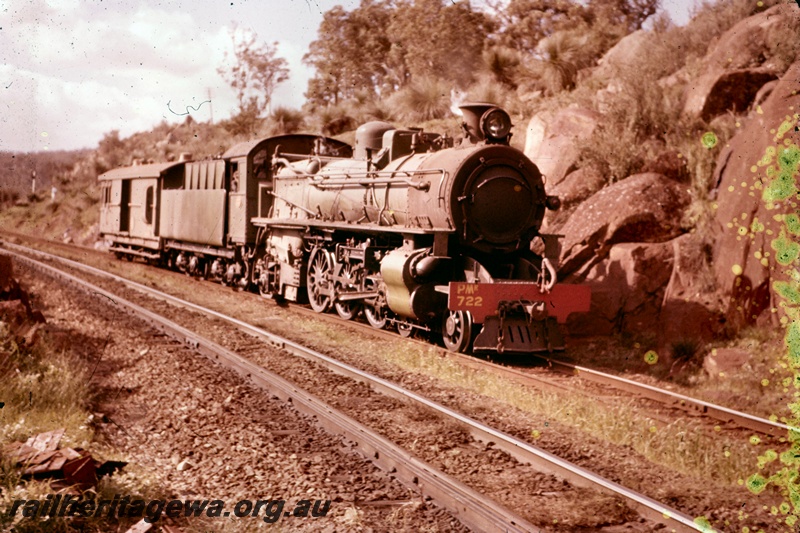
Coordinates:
x,y
747,43
553,140
715,93
721,361
738,64
627,289
628,51
577,186
641,208
757,179
692,306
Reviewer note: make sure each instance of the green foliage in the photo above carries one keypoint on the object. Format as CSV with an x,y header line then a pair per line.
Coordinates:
x,y
636,110
486,90
453,42
523,23
642,113
59,380
685,349
246,121
626,15
348,115
502,64
561,56
50,168
642,105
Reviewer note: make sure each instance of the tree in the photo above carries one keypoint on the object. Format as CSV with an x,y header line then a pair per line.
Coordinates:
x,y
350,53
255,74
523,23
439,39
627,15
380,46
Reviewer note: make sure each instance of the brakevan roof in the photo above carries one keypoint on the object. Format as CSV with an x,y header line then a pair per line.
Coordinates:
x,y
152,170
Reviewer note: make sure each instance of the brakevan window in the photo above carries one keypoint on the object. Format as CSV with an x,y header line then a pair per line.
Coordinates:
x,y
148,210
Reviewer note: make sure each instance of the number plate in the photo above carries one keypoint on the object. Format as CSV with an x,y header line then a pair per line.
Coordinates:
x,y
483,299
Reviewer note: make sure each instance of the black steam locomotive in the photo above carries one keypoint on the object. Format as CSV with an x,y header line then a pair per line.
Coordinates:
x,y
411,229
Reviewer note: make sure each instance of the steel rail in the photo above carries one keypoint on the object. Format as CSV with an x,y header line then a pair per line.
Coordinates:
x,y
473,509
519,449
666,397
718,412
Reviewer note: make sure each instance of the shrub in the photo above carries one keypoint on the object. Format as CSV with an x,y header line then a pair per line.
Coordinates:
x,y
285,120
422,100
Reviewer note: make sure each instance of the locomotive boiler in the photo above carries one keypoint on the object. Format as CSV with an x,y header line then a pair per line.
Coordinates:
x,y
419,233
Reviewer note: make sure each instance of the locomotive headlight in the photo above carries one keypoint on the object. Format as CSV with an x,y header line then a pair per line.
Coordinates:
x,y
496,124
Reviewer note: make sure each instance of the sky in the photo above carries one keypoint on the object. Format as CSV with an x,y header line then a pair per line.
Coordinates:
x,y
73,70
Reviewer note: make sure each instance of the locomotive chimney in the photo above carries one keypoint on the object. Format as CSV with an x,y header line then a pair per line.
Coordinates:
x,y
472,113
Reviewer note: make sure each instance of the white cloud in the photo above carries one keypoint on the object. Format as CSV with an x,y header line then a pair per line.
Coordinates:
x,y
77,70
77,75
290,93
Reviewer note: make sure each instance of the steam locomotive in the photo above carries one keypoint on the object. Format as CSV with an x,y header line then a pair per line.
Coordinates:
x,y
411,229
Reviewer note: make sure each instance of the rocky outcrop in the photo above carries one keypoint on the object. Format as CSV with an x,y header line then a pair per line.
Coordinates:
x,y
691,309
553,139
716,92
626,241
757,179
665,289
644,208
747,43
623,54
736,66
723,360
577,186
627,289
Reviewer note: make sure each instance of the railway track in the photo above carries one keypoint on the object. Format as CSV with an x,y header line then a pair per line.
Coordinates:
x,y
669,399
474,510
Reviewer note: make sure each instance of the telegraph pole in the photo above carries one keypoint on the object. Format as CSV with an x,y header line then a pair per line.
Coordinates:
x,y
210,105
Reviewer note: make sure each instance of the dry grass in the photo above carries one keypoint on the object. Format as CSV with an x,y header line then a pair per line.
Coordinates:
x,y
679,446
45,388
746,388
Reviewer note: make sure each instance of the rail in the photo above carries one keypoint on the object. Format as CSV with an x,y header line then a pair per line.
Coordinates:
x,y
718,412
473,509
520,450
